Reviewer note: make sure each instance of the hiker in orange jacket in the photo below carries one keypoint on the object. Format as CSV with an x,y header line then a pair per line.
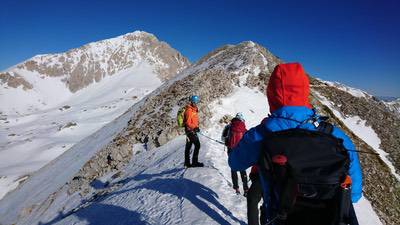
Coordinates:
x,y
191,121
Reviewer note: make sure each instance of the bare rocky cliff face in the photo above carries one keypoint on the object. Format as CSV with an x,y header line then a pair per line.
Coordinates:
x,y
14,80
90,63
216,75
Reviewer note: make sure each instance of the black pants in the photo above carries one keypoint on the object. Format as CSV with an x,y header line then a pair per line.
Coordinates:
x,y
234,176
353,217
254,196
318,214
191,138
235,179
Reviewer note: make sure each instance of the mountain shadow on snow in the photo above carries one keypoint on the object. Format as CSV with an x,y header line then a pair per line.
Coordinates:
x,y
165,182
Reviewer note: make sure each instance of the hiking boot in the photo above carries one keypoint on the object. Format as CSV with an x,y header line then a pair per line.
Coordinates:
x,y
187,165
237,191
245,192
197,164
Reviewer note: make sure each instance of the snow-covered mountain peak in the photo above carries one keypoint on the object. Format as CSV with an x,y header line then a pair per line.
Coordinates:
x,y
52,101
79,68
89,63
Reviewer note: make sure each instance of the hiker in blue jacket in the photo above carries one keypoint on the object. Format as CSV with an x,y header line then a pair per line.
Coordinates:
x,y
287,94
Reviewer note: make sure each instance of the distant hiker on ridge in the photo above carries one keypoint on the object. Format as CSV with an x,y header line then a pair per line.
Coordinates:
x,y
191,123
232,134
309,169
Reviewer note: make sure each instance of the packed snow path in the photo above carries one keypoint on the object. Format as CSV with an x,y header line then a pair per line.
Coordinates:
x,y
156,189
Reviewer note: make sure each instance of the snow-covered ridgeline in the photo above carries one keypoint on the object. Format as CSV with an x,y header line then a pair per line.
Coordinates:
x,y
45,80
106,53
364,132
353,91
394,106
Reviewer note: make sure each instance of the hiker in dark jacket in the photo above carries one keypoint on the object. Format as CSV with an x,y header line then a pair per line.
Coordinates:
x,y
254,196
287,93
235,132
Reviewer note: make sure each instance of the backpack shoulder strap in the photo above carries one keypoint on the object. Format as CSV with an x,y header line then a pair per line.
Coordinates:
x,y
225,132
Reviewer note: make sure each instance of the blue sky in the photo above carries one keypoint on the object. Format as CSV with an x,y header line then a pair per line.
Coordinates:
x,y
353,42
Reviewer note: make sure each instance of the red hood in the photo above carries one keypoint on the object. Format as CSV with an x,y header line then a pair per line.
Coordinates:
x,y
288,86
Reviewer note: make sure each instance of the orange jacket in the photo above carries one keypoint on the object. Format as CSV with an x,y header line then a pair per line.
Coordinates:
x,y
191,117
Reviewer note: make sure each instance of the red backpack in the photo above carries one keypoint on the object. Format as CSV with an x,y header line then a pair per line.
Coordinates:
x,y
236,130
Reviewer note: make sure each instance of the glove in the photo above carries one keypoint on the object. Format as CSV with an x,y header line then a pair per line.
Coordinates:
x,y
197,130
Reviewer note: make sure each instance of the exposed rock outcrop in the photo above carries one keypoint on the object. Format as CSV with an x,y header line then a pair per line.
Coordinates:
x,y
14,80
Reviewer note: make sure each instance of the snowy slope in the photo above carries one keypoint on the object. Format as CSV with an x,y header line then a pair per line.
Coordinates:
x,y
366,133
50,178
46,80
155,189
29,142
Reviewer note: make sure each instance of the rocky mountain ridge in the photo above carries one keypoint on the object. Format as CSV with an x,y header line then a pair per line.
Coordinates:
x,y
386,125
80,67
394,106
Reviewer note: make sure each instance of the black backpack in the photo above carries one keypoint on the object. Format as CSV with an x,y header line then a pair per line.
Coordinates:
x,y
305,171
225,134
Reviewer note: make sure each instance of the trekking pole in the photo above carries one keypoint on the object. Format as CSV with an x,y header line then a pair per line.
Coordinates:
x,y
220,142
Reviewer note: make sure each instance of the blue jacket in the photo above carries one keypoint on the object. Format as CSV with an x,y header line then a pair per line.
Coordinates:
x,y
246,153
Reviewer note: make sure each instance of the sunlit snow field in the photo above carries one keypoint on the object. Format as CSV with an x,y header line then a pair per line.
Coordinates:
x,y
29,139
